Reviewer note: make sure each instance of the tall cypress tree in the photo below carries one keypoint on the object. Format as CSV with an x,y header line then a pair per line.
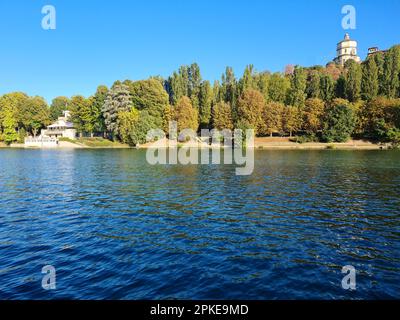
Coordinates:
x,y
369,81
391,72
297,95
205,101
313,84
353,77
327,87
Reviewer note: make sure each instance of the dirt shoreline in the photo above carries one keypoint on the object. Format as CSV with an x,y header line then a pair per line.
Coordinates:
x,y
277,143
259,143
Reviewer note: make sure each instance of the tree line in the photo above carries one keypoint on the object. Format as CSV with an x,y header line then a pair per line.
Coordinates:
x,y
331,103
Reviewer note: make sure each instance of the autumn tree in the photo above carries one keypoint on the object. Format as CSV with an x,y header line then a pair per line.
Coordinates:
x,y
312,115
271,120
186,115
380,116
222,116
250,107
127,121
291,119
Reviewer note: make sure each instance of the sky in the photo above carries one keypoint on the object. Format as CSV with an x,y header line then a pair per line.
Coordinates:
x,y
97,41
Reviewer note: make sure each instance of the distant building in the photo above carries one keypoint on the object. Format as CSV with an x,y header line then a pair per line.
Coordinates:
x,y
346,50
48,138
61,128
375,50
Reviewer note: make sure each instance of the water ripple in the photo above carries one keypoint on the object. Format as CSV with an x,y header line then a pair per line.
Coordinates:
x,y
117,228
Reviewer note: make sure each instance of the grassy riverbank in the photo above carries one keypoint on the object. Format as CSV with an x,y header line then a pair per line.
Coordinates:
x,y
96,142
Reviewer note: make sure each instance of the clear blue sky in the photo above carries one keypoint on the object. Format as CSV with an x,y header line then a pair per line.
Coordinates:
x,y
97,41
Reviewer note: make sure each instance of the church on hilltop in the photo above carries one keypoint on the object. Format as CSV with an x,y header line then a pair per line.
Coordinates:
x,y
346,50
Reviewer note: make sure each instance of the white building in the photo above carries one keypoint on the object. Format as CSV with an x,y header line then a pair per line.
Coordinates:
x,y
41,142
49,137
346,50
61,128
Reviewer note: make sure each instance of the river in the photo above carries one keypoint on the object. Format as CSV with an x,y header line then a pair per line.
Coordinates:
x,y
115,227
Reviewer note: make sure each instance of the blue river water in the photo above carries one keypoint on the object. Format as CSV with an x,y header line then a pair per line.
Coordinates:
x,y
115,227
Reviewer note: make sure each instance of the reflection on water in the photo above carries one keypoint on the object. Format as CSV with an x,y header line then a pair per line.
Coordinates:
x,y
115,227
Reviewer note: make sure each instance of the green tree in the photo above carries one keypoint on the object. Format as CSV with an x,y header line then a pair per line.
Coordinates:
x,y
327,87
353,78
185,82
11,108
369,81
296,94
98,101
339,123
127,120
58,105
151,96
313,84
229,87
34,115
262,84
217,92
340,87
379,61
194,84
391,73
9,124
248,80
205,101
278,87
118,99
174,88
83,115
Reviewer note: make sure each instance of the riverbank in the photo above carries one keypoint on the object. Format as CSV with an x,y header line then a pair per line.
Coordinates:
x,y
83,143
268,143
284,143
